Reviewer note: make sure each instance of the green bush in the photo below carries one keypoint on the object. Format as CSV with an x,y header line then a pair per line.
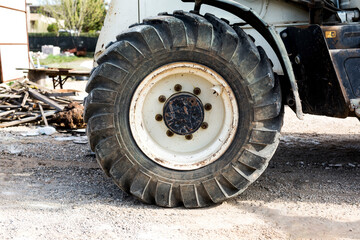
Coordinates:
x,y
53,28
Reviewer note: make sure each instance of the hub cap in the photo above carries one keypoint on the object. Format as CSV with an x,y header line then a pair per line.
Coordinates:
x,y
183,116
183,113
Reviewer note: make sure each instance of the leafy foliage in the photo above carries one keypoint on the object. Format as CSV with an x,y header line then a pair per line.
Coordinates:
x,y
54,27
77,15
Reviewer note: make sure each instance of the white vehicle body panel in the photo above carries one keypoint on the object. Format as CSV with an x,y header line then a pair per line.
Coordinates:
x,y
124,13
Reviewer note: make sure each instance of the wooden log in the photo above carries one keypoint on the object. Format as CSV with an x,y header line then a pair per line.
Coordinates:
x,y
46,100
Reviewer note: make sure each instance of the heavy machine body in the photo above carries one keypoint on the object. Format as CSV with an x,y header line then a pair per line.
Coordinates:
x,y
183,108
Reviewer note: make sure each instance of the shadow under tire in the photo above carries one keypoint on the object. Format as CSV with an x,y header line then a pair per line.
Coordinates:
x,y
169,163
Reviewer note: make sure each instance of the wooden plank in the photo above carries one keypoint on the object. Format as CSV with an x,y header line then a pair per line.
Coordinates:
x,y
26,120
10,96
10,106
43,115
2,114
26,95
61,94
37,85
45,99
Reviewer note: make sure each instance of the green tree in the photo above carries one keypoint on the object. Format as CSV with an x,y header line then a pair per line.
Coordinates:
x,y
94,18
77,15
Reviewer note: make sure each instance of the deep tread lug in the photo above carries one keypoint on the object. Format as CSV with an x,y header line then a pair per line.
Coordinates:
x,y
236,179
202,30
128,51
260,87
139,185
163,195
108,151
267,111
175,29
99,98
252,160
144,35
189,196
248,57
123,172
101,122
263,137
104,73
214,190
226,36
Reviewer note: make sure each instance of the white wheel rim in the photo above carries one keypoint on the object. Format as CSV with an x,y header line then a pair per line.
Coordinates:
x,y
176,152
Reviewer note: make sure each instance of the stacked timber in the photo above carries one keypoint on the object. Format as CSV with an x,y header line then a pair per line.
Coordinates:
x,y
26,102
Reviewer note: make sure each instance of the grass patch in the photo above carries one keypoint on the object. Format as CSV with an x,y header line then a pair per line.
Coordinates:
x,y
57,59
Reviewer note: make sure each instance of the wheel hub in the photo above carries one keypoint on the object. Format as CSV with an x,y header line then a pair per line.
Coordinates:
x,y
183,116
183,113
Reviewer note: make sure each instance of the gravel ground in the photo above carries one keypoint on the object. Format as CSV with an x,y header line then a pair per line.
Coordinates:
x,y
52,189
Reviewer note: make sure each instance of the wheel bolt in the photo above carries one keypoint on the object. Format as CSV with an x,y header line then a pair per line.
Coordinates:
x,y
162,99
189,137
169,133
177,87
197,91
158,117
208,107
204,125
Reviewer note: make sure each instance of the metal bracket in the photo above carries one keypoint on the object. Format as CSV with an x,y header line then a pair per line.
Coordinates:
x,y
355,106
197,6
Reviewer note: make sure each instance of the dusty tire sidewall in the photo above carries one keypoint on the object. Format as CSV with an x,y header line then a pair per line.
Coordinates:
x,y
127,89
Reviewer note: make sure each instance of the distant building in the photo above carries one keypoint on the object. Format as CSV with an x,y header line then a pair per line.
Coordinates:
x,y
38,22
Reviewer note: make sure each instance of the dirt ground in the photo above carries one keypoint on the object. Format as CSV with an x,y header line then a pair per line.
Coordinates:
x,y
54,189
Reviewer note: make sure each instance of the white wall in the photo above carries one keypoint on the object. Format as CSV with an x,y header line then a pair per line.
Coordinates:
x,y
13,39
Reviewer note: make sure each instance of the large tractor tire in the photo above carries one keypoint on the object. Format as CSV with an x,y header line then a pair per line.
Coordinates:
x,y
183,109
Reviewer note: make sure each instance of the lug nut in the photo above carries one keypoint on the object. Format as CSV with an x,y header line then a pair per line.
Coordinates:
x,y
177,87
204,125
158,117
197,91
208,107
162,99
189,137
169,133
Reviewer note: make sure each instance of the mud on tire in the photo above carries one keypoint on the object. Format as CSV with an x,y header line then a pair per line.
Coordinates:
x,y
183,37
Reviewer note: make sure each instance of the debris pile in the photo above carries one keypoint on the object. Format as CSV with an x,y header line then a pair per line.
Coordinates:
x,y
71,117
27,102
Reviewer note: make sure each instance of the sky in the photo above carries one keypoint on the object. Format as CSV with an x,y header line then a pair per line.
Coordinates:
x,y
37,2
34,2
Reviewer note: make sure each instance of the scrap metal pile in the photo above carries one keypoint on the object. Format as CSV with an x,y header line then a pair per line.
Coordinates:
x,y
26,102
